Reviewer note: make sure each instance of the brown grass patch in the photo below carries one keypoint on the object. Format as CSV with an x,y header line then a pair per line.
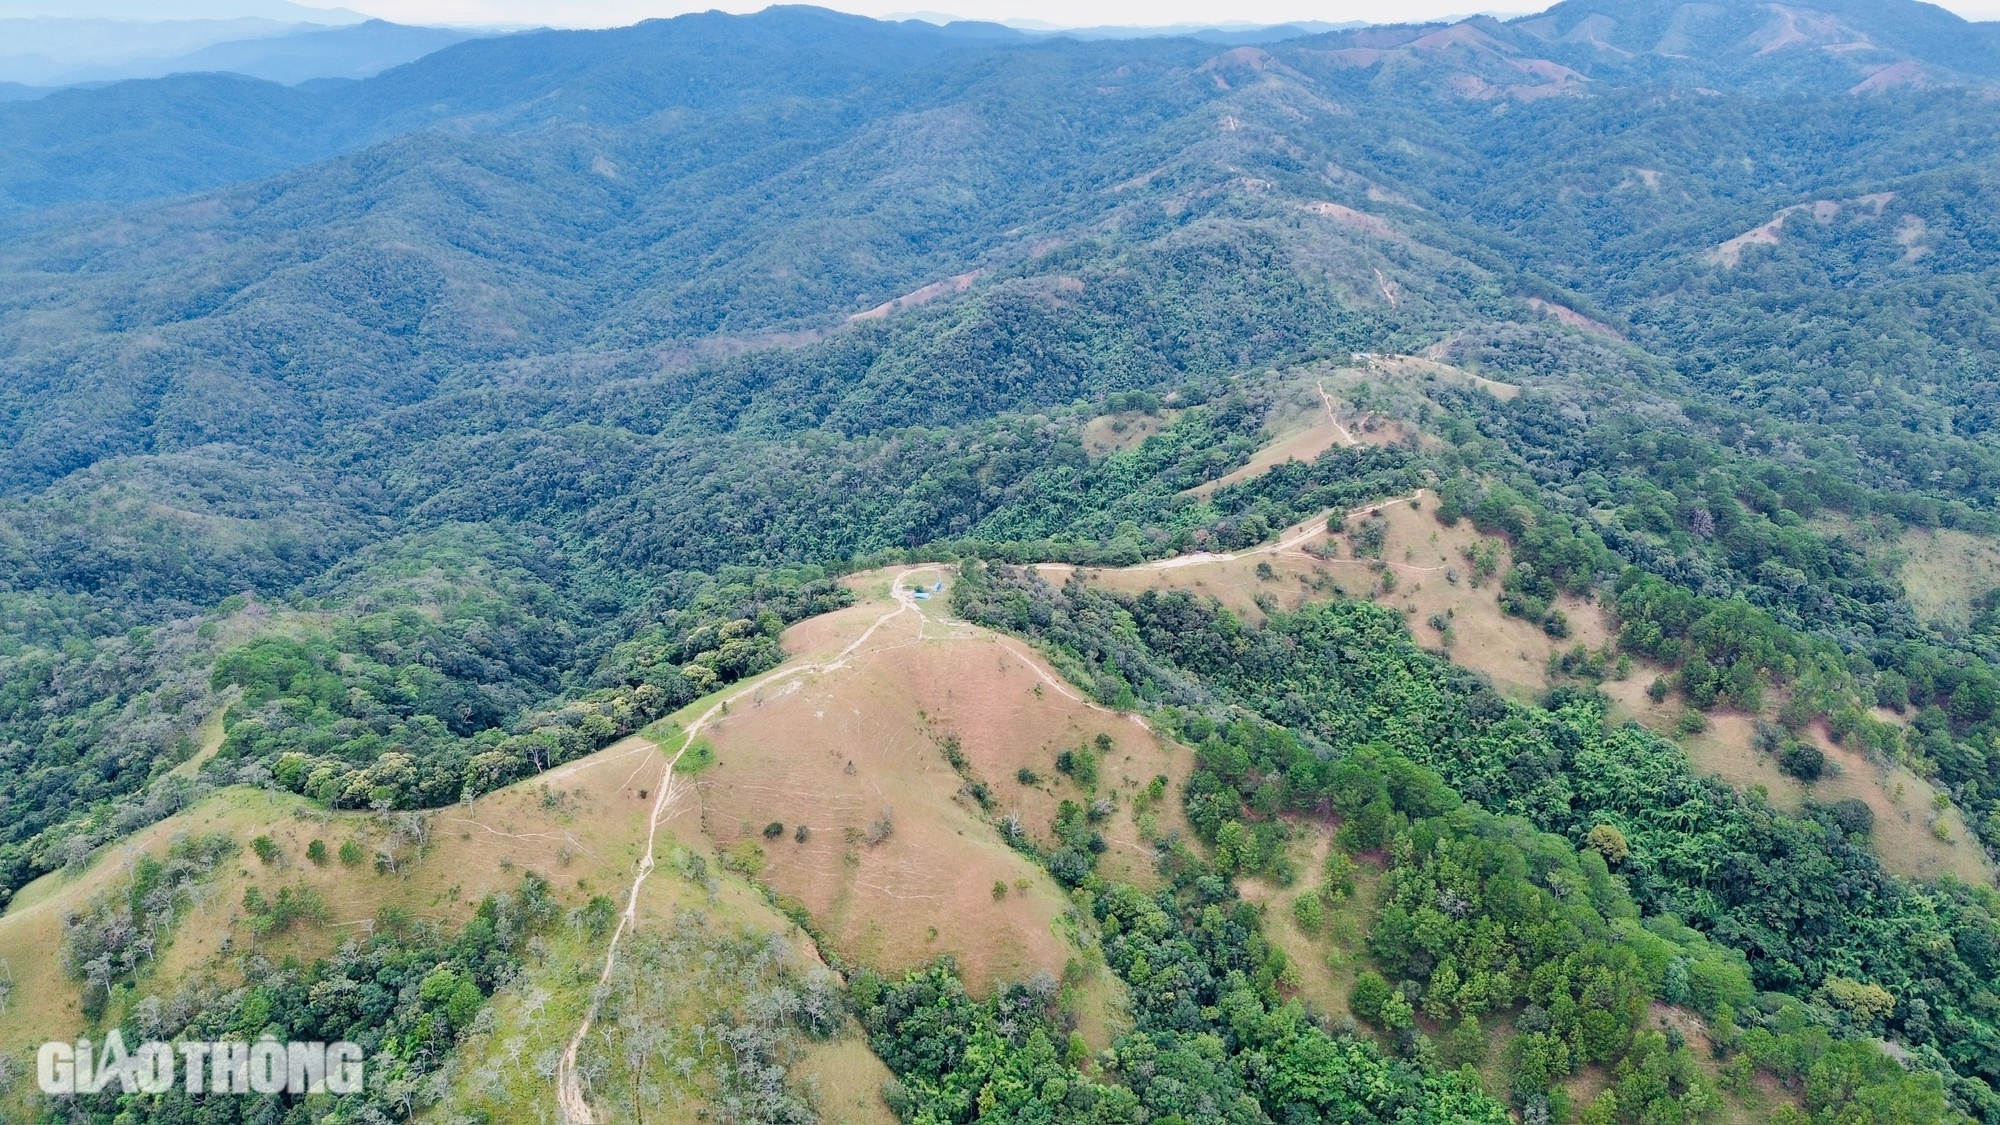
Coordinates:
x,y
1302,445
1111,433
535,1017
1904,804
1299,425
1943,570
921,296
582,825
1908,822
1418,551
926,887
1416,369
1323,964
584,836
1305,419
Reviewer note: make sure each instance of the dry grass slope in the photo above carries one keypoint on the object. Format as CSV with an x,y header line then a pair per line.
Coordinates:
x,y
1945,570
1110,433
846,753
1913,835
1306,564
829,750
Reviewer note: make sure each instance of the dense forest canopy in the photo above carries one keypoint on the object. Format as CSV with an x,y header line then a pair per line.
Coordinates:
x,y
437,429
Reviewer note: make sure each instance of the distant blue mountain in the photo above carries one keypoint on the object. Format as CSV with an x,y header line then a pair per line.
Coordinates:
x,y
136,140
1227,34
359,51
51,52
139,140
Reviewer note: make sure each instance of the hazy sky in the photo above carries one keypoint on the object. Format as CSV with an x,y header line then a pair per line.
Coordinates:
x,y
617,13
1066,13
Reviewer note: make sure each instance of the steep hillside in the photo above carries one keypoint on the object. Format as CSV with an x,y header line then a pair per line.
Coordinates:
x,y
893,850
1869,46
586,824
1581,46
186,139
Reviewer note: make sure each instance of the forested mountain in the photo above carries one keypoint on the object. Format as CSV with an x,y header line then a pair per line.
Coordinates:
x,y
1852,45
441,426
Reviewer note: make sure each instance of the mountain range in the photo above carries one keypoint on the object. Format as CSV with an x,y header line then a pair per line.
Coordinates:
x,y
53,52
1427,572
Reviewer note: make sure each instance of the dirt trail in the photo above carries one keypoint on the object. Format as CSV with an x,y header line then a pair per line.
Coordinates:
x,y
1306,531
1346,435
570,1098
209,736
569,1088
1311,526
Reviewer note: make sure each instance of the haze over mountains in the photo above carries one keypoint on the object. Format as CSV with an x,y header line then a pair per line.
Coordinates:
x,y
63,52
391,441
44,45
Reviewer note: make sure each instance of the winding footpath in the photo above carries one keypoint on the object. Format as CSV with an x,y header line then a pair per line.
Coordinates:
x,y
575,1106
1309,529
569,1085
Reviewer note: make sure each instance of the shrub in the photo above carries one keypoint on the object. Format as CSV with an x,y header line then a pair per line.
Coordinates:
x,y
351,854
1853,815
1607,841
95,997
881,828
744,857
1371,992
597,916
1865,1001
267,850
774,830
1802,761
1080,764
1069,866
696,758
316,852
1308,913
1336,876
1466,1046
275,916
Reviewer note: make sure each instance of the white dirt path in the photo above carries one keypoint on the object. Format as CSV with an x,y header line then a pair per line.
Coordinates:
x,y
570,1098
1309,529
569,1086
